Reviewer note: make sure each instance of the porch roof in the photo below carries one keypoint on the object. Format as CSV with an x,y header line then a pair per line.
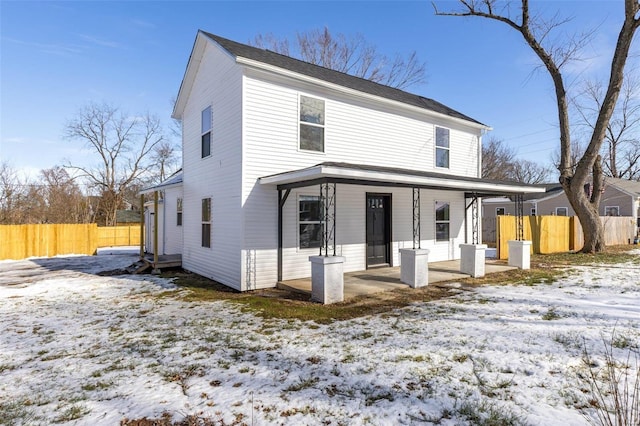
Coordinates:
x,y
361,174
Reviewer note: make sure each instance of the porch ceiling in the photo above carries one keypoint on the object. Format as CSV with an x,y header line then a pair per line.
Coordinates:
x,y
360,174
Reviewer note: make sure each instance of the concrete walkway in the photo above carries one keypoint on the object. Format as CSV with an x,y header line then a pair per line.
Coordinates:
x,y
383,279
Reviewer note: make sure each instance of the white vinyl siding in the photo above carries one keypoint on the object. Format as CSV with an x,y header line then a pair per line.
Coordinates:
x,y
172,236
218,84
356,131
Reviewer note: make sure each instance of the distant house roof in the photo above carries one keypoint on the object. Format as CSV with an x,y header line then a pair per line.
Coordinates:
x,y
173,180
239,50
127,216
631,187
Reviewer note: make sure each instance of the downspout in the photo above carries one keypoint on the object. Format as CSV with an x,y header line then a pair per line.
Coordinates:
x,y
164,221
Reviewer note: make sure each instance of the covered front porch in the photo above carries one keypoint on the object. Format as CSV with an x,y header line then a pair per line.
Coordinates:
x,y
376,280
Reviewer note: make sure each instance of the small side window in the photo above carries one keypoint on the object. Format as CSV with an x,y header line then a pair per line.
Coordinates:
x,y
179,212
499,211
205,142
206,222
562,211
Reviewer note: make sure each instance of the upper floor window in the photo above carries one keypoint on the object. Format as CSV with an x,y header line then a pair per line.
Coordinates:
x,y
206,222
206,132
311,124
179,212
442,147
309,221
612,211
442,221
562,211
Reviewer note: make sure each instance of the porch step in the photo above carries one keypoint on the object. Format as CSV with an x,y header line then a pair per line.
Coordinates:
x,y
137,268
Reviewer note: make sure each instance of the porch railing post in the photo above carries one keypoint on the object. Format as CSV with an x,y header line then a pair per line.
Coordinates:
x,y
416,218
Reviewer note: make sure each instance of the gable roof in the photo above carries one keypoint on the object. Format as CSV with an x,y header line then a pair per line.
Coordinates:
x,y
268,57
631,187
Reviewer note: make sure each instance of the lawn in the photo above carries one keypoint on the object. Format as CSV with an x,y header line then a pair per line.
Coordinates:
x,y
81,348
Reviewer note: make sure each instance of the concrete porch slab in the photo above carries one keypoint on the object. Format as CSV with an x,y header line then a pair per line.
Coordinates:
x,y
376,280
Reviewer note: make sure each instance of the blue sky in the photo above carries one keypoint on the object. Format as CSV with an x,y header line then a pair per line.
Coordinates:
x,y
58,56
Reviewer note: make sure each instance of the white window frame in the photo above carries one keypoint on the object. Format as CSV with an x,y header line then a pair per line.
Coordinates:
x,y
566,209
612,207
533,211
179,215
307,222
436,221
206,221
437,147
504,211
204,132
306,123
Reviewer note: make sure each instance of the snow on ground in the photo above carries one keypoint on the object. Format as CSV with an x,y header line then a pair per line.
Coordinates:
x,y
77,348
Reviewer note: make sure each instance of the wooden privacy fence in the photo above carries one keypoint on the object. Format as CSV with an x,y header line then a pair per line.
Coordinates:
x,y
44,240
557,234
109,236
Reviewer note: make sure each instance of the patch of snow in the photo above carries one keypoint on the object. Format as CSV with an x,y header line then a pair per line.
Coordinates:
x,y
115,347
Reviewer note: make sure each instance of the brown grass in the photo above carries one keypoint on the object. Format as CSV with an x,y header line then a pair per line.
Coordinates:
x,y
285,304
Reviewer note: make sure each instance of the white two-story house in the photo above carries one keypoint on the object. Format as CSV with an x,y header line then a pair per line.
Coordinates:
x,y
263,134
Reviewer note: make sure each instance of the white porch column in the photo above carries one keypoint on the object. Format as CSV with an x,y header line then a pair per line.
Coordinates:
x,y
414,267
327,279
472,259
519,254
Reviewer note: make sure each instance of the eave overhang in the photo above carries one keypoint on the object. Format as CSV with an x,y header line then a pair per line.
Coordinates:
x,y
358,174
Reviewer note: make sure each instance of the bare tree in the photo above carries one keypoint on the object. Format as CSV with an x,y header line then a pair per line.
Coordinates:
x,y
535,31
124,147
165,159
11,193
348,54
499,162
621,153
526,171
64,199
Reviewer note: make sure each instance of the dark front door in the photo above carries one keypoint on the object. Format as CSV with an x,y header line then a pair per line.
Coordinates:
x,y
378,229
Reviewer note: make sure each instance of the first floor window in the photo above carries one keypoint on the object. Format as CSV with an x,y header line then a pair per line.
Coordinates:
x,y
562,211
179,212
442,147
206,222
309,221
612,211
499,211
442,221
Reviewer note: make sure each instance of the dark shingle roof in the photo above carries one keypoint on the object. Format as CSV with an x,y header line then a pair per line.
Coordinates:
x,y
356,83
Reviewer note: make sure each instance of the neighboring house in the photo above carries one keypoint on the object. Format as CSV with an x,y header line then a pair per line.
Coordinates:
x,y
263,133
127,217
499,206
620,197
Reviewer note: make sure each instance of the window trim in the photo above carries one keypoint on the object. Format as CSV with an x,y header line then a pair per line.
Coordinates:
x,y
566,209
612,207
323,126
310,222
204,132
179,215
533,211
437,147
205,222
436,221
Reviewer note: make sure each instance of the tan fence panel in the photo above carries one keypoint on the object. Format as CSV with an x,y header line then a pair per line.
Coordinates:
x,y
559,234
506,231
22,241
110,236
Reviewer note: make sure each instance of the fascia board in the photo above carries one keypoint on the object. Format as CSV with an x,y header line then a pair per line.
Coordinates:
x,y
365,175
352,92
